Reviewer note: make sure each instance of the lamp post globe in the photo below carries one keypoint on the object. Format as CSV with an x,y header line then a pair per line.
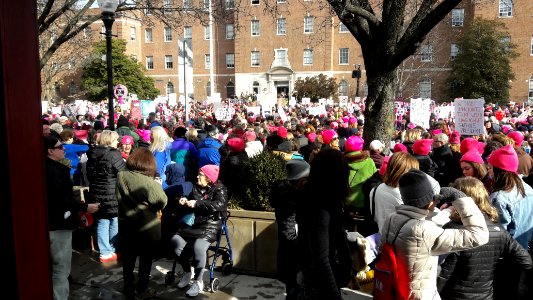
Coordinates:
x,y
108,8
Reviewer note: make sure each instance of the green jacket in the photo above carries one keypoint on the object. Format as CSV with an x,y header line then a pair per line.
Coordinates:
x,y
362,167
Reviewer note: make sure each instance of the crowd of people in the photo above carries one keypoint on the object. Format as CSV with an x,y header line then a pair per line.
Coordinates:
x,y
457,208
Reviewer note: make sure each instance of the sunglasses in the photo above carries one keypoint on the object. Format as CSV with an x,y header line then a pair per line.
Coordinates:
x,y
60,147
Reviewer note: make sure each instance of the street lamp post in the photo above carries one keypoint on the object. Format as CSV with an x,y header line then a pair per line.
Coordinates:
x,y
108,8
357,74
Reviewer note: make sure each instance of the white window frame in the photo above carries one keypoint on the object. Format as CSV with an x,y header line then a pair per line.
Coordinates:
x,y
230,31
169,62
168,34
281,56
169,88
425,88
207,33
255,56
255,2
454,50
344,58
206,4
230,4
167,4
149,62
281,1
281,26
133,33
230,60
255,30
308,57
505,8
149,10
148,35
343,28
343,88
458,17
426,53
207,61
309,24
187,4
530,88
187,32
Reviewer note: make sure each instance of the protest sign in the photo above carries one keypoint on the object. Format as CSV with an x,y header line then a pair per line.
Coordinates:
x,y
256,110
306,101
282,114
343,101
469,117
136,109
420,112
224,113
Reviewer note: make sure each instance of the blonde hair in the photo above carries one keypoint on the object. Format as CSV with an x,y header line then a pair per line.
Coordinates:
x,y
475,189
399,164
192,134
412,135
160,139
106,138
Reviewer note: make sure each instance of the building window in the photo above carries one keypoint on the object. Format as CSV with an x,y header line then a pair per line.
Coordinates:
x,y
230,34
282,1
281,24
187,32
133,34
454,51
168,34
148,36
149,63
344,56
207,33
230,90
187,4
506,8
230,60
255,87
207,60
256,59
281,57
167,6
308,57
206,4
506,41
343,28
230,4
530,94
208,89
169,62
170,88
72,88
427,53
87,33
343,88
309,23
532,45
149,10
255,2
255,28
458,17
425,89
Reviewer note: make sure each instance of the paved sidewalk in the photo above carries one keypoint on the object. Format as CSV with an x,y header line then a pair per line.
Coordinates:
x,y
93,280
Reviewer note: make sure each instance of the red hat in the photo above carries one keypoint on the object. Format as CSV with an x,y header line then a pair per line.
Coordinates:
x,y
455,138
384,165
126,140
328,135
236,144
400,148
517,137
468,144
422,147
504,158
81,134
211,171
472,156
354,143
250,136
311,137
282,131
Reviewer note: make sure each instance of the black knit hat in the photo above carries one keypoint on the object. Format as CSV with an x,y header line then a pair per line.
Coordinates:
x,y
415,188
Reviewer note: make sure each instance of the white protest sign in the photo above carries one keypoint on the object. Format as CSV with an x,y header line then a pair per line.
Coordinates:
x,y
343,101
292,102
469,117
282,114
44,107
254,109
444,112
306,100
224,113
172,99
266,109
420,112
317,110
56,110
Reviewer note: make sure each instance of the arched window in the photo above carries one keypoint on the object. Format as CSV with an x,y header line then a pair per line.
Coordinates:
x,y
255,87
530,93
208,89
73,89
343,88
170,88
425,88
230,89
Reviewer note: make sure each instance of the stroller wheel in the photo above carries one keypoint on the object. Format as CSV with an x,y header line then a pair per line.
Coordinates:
x,y
215,284
227,267
170,277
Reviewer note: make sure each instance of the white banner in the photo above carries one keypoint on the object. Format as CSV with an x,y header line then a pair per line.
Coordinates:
x,y
224,113
254,109
469,116
282,114
420,112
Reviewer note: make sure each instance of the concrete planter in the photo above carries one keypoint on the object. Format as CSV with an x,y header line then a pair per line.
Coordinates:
x,y
254,240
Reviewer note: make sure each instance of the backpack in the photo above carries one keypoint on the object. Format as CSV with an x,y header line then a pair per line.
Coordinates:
x,y
391,280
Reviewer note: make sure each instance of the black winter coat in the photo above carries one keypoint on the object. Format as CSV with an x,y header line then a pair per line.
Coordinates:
x,y
231,170
448,166
470,274
103,165
211,207
427,165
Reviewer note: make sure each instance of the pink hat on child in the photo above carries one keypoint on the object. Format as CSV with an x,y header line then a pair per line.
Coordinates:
x,y
211,171
504,158
422,147
354,143
472,156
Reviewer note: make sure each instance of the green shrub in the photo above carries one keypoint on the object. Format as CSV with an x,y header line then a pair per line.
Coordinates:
x,y
259,173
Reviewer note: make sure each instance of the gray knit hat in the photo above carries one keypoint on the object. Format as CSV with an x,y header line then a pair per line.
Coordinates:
x,y
297,168
415,188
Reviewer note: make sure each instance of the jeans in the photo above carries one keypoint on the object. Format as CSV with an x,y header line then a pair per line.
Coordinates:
x,y
107,235
61,259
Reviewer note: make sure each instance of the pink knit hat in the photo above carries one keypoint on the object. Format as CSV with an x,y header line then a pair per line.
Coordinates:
x,y
236,144
334,125
384,165
422,147
455,138
282,131
504,158
436,131
472,156
345,119
354,143
126,140
328,135
411,126
468,144
311,137
352,120
250,136
211,171
144,134
81,134
517,137
399,148
481,147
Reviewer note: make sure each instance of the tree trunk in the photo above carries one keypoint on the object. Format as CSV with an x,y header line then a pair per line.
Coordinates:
x,y
379,109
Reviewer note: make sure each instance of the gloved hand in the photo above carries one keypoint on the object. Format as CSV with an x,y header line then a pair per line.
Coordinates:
x,y
449,194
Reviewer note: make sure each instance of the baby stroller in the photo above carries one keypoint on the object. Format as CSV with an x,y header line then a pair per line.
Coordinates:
x,y
215,251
